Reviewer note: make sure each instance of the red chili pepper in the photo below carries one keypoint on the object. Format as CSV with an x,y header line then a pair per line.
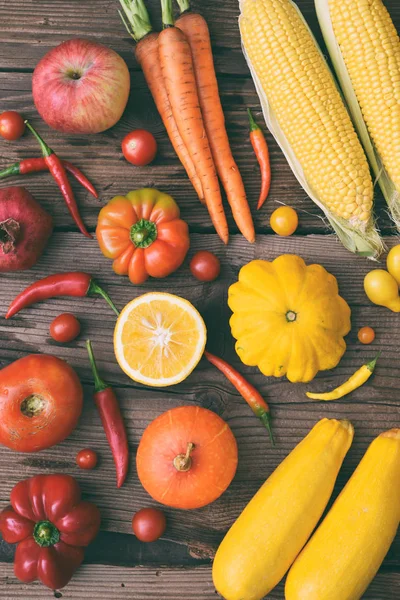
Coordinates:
x,y
60,176
34,165
80,177
260,148
51,525
111,418
61,284
253,397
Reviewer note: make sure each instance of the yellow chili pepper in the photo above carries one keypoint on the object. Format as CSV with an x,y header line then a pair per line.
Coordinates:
x,y
355,381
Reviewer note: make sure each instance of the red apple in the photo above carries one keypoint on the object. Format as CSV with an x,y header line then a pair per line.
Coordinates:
x,y
81,87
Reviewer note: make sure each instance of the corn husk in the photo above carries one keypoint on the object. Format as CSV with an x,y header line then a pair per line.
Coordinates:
x,y
382,177
362,241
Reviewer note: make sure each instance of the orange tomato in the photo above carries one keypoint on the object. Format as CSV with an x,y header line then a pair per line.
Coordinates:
x,y
284,220
41,401
187,457
143,234
366,335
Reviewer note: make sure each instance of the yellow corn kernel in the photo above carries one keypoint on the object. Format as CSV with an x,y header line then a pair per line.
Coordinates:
x,y
310,111
370,47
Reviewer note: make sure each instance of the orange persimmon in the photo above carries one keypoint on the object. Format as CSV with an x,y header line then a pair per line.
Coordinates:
x,y
187,457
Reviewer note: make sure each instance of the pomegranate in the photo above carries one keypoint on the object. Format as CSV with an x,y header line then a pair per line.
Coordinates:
x,y
25,228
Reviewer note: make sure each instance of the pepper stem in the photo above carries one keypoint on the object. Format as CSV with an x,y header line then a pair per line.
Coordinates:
x,y
183,462
46,534
184,6
265,419
99,384
46,151
143,233
371,365
253,124
94,288
167,14
136,19
11,170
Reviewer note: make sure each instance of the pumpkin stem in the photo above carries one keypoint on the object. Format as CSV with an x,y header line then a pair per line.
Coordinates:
x,y
183,462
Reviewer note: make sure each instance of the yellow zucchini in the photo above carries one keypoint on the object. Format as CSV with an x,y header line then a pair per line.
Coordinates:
x,y
268,535
344,554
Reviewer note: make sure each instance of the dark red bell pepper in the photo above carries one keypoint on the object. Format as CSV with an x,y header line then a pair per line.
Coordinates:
x,y
51,525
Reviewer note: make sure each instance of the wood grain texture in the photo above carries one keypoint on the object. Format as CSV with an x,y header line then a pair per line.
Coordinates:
x,y
28,29
144,583
372,408
100,157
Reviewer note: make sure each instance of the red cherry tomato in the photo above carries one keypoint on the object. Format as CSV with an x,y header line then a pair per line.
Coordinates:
x,y
12,125
139,147
65,328
86,459
366,335
149,524
205,266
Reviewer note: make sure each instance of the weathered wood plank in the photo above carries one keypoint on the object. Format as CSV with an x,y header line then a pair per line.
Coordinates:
x,y
144,583
372,409
101,159
28,30
112,174
46,24
124,549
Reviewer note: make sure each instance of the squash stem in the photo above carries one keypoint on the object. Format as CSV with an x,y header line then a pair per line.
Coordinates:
x,y
183,462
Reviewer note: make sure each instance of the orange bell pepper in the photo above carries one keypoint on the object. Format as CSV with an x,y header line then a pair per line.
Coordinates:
x,y
143,234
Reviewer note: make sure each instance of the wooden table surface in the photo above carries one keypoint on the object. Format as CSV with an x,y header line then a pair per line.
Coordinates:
x,y
117,566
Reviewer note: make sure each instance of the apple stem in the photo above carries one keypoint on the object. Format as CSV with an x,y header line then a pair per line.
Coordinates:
x,y
135,18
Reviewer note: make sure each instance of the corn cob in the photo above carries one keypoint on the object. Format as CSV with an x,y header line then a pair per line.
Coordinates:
x,y
365,50
305,112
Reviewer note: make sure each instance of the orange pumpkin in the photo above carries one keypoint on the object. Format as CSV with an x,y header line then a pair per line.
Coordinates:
x,y
187,457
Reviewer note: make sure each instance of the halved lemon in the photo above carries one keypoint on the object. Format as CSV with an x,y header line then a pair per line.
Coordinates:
x,y
159,339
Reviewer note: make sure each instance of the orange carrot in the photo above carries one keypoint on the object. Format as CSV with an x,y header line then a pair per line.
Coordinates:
x,y
146,53
196,30
177,68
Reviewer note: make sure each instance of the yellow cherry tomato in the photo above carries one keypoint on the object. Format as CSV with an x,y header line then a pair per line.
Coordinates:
x,y
366,335
382,289
284,220
393,263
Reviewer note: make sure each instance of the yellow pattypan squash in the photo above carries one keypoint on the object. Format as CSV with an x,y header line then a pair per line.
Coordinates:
x,y
288,318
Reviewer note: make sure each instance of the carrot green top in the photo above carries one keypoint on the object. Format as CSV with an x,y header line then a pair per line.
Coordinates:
x,y
136,19
167,14
184,5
